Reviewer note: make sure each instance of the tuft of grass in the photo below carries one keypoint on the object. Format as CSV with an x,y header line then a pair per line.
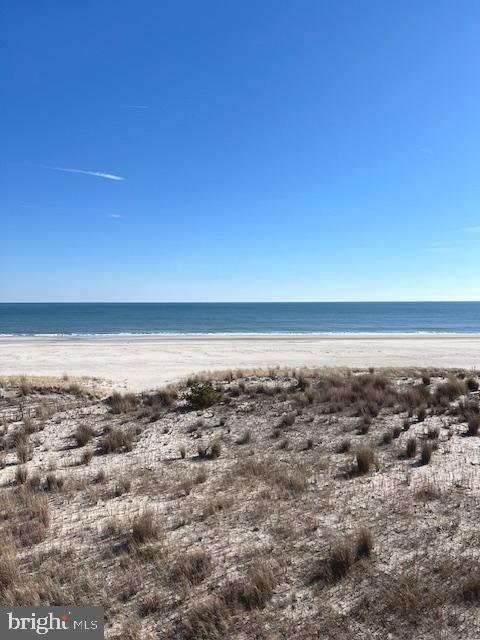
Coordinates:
x,y
87,456
363,543
364,458
387,437
258,587
411,448
9,572
145,528
82,435
122,403
117,440
122,485
193,567
207,619
215,449
292,481
421,413
426,452
433,433
21,474
364,426
344,446
473,424
53,482
340,561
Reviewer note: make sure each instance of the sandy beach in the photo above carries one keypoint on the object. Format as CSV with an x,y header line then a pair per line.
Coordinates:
x,y
147,362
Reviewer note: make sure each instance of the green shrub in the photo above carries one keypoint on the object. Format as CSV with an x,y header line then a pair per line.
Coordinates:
x,y
202,395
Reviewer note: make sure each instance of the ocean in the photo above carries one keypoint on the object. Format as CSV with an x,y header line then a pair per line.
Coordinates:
x,y
103,319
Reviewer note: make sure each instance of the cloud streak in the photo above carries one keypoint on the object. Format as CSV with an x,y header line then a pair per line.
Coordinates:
x,y
98,174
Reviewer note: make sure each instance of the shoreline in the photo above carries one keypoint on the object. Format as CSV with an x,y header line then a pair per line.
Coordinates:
x,y
153,337
145,362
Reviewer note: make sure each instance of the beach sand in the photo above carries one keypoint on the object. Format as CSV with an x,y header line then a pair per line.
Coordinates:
x,y
146,362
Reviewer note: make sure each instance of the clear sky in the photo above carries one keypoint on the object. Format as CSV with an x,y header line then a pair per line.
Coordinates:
x,y
268,150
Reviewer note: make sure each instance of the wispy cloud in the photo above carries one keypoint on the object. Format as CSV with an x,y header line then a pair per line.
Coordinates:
x,y
441,247
114,215
471,229
98,174
425,150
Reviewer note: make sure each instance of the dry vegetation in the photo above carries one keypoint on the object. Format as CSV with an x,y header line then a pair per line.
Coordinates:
x,y
260,505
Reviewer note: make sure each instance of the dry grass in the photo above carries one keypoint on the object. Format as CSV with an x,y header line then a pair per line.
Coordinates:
x,y
117,441
365,459
82,435
207,619
145,528
411,448
222,545
426,452
193,567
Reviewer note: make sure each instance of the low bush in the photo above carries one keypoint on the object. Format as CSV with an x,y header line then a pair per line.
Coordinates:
x,y
202,395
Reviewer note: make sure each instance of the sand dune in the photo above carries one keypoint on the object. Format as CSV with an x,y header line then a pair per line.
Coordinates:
x,y
146,362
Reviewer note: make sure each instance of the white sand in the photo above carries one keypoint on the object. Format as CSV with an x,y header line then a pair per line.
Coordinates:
x,y
146,362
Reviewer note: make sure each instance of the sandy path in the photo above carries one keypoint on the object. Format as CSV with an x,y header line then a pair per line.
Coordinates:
x,y
145,362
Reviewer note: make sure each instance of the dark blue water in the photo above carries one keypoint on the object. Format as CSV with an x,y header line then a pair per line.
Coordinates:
x,y
239,318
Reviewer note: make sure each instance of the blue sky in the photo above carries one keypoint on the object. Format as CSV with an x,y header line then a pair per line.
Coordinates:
x,y
268,150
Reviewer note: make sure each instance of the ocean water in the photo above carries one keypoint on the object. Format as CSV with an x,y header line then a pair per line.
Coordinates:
x,y
102,319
